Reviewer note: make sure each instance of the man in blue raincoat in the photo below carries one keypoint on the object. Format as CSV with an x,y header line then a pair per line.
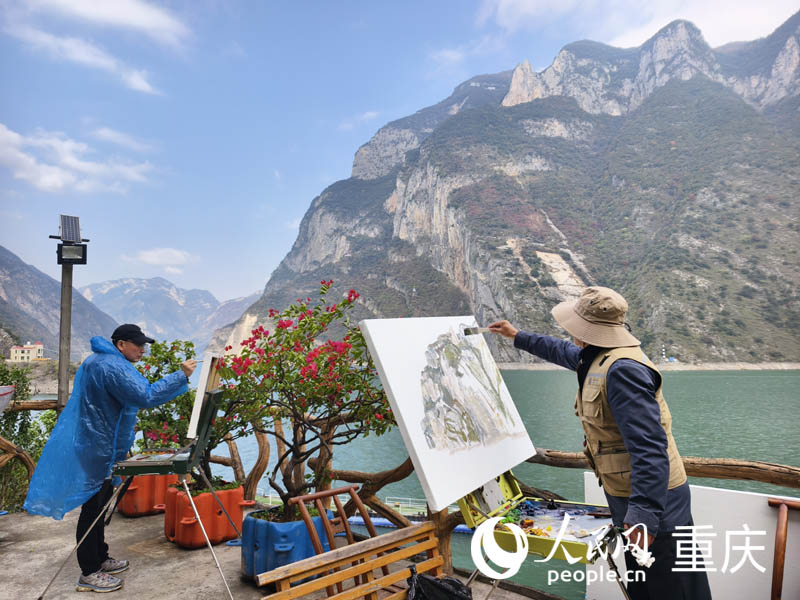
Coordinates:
x,y
94,431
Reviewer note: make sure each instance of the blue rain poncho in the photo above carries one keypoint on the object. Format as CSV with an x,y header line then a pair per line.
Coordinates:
x,y
95,430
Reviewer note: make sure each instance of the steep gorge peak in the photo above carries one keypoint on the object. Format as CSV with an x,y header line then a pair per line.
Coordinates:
x,y
604,79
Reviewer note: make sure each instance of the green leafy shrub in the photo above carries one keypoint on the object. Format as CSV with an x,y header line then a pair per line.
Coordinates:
x,y
24,429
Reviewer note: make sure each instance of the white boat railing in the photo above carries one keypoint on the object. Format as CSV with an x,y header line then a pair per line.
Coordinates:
x,y
399,503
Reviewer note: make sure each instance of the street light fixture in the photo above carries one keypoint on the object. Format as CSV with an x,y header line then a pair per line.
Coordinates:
x,y
71,251
71,254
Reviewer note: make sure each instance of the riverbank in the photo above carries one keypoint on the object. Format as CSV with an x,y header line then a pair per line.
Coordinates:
x,y
44,381
671,366
43,375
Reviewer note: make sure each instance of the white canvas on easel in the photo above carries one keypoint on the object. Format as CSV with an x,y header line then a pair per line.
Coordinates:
x,y
208,375
455,414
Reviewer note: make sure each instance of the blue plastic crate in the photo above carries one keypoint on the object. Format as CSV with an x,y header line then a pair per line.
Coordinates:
x,y
267,545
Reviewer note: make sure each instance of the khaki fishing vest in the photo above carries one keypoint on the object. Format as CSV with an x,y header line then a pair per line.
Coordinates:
x,y
604,446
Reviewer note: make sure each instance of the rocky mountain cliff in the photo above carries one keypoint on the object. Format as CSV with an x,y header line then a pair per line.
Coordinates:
x,y
613,81
667,171
165,311
30,310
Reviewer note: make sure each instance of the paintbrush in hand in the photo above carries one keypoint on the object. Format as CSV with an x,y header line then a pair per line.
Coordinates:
x,y
476,330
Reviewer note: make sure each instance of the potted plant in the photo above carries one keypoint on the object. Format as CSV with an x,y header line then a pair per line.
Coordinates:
x,y
166,426
306,392
181,525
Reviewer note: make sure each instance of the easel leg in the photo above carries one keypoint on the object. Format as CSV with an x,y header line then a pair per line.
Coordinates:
x,y
124,488
213,493
205,535
614,568
99,516
474,575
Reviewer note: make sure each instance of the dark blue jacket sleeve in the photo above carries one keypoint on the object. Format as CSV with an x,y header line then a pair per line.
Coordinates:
x,y
554,350
631,391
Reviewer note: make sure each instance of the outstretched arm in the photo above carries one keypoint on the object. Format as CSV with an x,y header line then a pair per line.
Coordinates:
x,y
554,350
132,389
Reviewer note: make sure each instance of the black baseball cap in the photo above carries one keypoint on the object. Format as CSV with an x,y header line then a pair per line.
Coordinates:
x,y
130,333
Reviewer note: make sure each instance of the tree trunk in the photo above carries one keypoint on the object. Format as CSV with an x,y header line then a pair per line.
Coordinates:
x,y
281,447
220,460
236,460
371,484
444,524
323,465
386,512
251,483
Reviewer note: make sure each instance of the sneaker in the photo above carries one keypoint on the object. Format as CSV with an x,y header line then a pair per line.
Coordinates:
x,y
98,582
112,565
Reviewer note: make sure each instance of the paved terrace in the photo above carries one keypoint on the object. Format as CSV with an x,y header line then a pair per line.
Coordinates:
x,y
32,548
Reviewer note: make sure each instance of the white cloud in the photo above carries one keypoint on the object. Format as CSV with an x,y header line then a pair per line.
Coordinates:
x,y
106,134
627,23
294,224
452,59
718,20
353,122
52,162
171,259
277,175
512,15
83,53
136,15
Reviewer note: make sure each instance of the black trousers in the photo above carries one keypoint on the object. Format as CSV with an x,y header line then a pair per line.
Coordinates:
x,y
660,581
94,550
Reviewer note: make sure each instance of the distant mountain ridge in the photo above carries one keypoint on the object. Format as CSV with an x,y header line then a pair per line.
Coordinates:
x,y
165,311
667,171
615,81
30,310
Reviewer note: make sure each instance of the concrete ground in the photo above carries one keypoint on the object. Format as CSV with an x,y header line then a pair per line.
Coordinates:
x,y
32,548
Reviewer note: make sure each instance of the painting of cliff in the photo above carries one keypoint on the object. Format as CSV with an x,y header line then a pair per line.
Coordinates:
x,y
450,402
462,394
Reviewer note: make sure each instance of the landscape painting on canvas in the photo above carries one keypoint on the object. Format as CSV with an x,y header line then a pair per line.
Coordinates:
x,y
455,414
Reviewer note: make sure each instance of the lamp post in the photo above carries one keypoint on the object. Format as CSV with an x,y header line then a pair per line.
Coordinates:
x,y
71,251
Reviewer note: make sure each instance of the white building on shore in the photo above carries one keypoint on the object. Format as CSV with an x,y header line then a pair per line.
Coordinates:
x,y
27,353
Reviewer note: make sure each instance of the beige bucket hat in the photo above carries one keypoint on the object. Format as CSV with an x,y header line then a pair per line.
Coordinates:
x,y
597,317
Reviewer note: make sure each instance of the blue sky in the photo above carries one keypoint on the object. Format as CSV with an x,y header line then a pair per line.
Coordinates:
x,y
191,136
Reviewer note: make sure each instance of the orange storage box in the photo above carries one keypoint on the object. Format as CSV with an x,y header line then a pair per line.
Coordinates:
x,y
181,526
146,495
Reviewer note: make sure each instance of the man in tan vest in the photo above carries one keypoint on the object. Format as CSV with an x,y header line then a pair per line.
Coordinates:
x,y
628,433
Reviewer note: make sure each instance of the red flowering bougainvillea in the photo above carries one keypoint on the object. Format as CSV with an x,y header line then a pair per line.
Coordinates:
x,y
303,389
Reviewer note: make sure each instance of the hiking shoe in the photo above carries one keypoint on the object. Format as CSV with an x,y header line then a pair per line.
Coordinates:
x,y
98,582
112,565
